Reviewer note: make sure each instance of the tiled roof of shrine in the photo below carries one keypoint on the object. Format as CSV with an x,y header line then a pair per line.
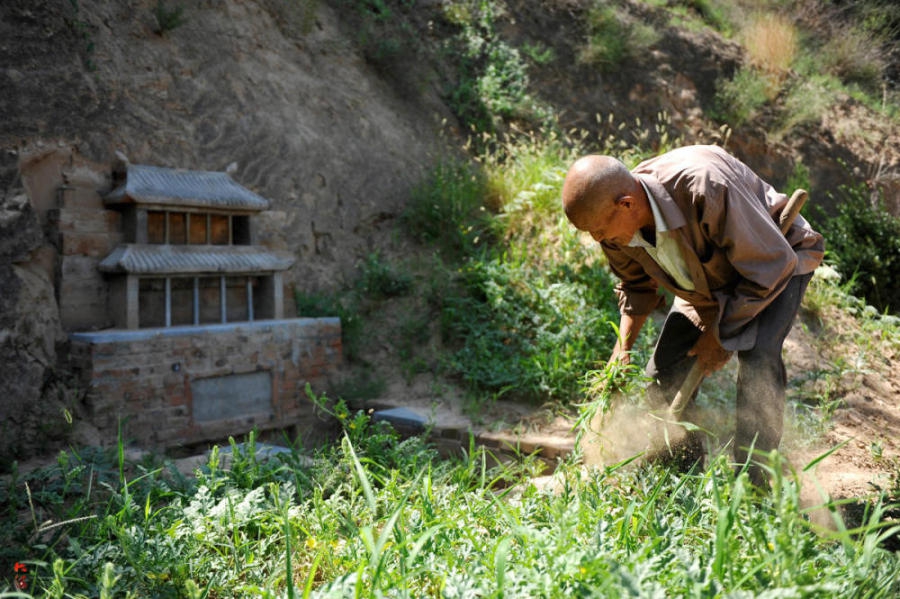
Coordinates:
x,y
167,187
207,260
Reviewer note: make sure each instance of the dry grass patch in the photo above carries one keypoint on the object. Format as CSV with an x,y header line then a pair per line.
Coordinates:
x,y
771,42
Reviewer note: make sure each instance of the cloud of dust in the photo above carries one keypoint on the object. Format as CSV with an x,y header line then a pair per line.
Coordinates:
x,y
626,430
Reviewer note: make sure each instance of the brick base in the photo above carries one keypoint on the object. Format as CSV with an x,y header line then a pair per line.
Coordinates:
x,y
146,378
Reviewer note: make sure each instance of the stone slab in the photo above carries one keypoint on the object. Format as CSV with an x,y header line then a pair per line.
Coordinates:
x,y
231,396
401,418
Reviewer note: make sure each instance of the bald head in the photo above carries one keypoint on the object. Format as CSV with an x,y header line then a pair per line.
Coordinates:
x,y
593,181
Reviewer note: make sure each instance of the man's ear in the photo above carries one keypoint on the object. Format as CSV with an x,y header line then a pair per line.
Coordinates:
x,y
626,201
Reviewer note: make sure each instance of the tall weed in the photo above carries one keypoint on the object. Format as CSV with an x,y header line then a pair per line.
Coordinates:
x,y
771,41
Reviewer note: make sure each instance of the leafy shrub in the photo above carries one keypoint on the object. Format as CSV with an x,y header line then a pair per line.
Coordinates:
x,y
526,331
380,280
376,441
168,18
445,207
539,52
318,305
709,12
385,36
527,311
863,240
491,86
739,98
614,37
798,178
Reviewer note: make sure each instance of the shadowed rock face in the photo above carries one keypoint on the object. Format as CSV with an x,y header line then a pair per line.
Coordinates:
x,y
29,332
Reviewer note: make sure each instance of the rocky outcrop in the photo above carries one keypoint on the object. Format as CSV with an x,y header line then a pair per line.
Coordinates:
x,y
31,415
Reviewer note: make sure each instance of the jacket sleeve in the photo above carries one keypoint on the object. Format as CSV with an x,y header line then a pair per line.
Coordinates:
x,y
636,291
737,222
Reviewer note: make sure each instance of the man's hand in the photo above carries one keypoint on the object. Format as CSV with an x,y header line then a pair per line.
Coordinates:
x,y
620,359
620,355
711,356
629,327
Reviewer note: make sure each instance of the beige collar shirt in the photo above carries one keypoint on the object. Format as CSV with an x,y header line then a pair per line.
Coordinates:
x,y
666,252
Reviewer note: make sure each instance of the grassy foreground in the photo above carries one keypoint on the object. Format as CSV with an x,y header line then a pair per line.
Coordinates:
x,y
377,516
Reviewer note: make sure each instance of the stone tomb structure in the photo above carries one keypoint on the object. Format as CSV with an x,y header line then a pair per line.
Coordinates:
x,y
188,340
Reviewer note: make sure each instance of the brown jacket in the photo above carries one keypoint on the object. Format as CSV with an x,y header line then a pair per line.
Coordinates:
x,y
725,220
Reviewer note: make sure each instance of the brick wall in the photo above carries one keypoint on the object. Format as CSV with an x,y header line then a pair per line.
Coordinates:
x,y
146,378
87,233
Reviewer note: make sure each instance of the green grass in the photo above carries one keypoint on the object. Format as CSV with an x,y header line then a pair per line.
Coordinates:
x,y
739,99
377,516
530,306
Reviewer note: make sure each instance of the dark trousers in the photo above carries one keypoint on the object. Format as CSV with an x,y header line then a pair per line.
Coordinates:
x,y
761,379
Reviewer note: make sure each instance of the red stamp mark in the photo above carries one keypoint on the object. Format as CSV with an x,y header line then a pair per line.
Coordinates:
x,y
21,576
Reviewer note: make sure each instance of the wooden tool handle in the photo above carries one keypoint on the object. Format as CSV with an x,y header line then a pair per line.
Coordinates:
x,y
686,392
792,209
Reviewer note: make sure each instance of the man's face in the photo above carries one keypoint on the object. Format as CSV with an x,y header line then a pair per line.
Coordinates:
x,y
612,222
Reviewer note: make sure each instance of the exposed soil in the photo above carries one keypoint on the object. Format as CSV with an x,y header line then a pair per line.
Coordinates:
x,y
866,421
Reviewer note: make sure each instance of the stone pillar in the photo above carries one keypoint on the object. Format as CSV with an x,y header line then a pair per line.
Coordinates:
x,y
132,302
139,225
278,295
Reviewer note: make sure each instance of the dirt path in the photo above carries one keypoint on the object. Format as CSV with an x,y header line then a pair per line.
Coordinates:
x,y
862,385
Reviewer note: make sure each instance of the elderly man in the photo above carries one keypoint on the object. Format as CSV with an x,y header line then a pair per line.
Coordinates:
x,y
700,223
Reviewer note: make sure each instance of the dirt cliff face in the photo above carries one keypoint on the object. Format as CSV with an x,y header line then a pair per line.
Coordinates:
x,y
308,124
